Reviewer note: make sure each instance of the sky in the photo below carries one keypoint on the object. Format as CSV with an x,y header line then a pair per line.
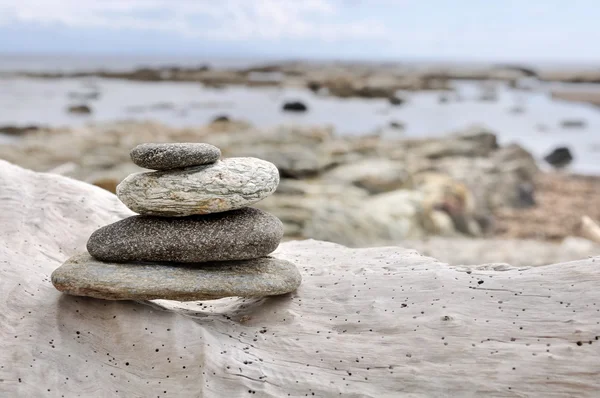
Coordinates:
x,y
458,30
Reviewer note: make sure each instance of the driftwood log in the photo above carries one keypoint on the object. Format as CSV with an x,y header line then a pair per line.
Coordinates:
x,y
378,322
589,229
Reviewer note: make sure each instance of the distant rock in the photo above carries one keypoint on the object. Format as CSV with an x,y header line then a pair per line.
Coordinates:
x,y
526,195
141,74
314,86
559,157
573,124
472,142
295,106
373,175
165,156
82,275
525,70
221,119
294,161
396,125
234,235
80,109
590,97
18,130
395,100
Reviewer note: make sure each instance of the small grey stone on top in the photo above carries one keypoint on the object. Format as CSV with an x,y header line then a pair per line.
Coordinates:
x,y
174,156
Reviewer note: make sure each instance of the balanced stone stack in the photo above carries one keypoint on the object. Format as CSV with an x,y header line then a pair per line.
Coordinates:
x,y
195,237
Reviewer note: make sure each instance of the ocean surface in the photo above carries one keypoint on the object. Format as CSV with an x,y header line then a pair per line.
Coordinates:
x,y
530,118
78,63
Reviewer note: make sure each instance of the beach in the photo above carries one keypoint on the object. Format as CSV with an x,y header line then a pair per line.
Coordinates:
x,y
368,136
531,116
318,198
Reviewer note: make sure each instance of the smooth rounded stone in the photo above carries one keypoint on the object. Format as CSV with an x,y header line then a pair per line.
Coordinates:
x,y
228,184
174,156
234,235
82,275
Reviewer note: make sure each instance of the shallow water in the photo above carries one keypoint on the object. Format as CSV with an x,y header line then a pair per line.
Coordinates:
x,y
44,102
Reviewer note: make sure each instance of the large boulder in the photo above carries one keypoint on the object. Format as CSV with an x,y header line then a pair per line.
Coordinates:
x,y
373,175
504,178
386,218
474,141
365,322
442,193
297,201
293,161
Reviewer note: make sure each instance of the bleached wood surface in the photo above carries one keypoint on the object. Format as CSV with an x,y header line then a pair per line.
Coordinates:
x,y
589,229
380,322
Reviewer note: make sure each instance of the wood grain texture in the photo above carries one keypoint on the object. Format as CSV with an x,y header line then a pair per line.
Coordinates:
x,y
590,229
378,322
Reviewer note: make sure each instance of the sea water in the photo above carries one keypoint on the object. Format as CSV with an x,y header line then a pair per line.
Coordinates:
x,y
44,102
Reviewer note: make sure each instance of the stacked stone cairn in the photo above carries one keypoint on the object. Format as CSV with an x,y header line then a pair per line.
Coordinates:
x,y
195,237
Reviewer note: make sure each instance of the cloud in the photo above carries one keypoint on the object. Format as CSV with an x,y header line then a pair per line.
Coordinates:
x,y
232,20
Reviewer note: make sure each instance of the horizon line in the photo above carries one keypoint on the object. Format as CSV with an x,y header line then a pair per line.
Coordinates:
x,y
298,58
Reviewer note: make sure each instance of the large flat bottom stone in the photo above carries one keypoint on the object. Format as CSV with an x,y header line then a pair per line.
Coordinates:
x,y
82,275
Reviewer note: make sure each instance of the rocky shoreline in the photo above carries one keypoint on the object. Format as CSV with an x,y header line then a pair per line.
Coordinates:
x,y
342,79
357,191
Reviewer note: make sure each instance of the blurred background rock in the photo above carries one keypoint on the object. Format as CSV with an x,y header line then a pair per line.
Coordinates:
x,y
469,132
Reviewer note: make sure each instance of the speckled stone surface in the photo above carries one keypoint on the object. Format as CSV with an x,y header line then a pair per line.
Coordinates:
x,y
174,156
234,235
82,275
228,184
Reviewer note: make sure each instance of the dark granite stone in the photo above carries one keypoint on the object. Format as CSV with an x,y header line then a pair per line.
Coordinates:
x,y
174,156
295,106
82,275
233,235
560,157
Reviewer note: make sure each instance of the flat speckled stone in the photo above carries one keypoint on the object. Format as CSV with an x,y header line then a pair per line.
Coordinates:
x,y
174,156
82,275
228,184
234,235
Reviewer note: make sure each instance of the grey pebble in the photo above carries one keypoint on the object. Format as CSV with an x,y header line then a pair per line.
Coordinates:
x,y
174,156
